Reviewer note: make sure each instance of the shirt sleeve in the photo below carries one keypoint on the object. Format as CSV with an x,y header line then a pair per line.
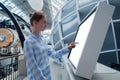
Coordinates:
x,y
59,53
31,62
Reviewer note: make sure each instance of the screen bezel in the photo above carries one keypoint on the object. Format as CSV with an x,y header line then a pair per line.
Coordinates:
x,y
87,16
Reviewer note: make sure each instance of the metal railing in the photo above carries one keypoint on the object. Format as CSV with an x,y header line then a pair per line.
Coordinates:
x,y
9,71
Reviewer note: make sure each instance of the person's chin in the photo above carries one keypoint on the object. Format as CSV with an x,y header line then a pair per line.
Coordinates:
x,y
43,29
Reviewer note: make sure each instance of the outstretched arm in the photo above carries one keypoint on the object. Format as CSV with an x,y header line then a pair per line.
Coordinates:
x,y
60,53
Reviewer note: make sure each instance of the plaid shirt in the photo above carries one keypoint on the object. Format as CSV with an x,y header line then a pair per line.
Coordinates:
x,y
37,54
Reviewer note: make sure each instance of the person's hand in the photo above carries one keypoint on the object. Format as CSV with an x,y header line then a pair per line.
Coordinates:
x,y
72,45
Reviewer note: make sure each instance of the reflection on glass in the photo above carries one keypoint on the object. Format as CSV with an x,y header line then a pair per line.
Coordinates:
x,y
56,37
117,33
116,14
109,40
107,58
69,25
71,6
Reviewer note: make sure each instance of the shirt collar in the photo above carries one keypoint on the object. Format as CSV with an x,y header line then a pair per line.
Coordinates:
x,y
36,36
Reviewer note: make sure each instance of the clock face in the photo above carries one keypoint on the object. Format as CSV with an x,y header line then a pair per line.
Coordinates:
x,y
2,37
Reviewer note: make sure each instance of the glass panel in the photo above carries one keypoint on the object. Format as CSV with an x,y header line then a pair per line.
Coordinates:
x,y
17,11
6,3
116,3
12,5
107,58
69,25
56,5
69,39
56,37
71,6
21,14
119,55
109,40
86,2
57,18
84,11
117,32
116,14
58,46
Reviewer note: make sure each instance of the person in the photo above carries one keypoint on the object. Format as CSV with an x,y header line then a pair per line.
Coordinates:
x,y
37,52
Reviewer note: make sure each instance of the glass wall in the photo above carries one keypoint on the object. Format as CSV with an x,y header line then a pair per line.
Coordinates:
x,y
70,16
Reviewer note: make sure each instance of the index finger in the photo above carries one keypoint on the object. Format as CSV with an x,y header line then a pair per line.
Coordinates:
x,y
75,42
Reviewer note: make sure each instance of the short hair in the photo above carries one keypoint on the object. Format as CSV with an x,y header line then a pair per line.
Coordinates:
x,y
36,16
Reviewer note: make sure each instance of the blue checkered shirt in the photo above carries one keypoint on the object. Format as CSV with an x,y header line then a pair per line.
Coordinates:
x,y
37,55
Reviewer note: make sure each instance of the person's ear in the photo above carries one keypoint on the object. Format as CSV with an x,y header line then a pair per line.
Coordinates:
x,y
34,22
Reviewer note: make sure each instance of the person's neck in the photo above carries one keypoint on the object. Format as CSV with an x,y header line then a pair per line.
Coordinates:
x,y
36,33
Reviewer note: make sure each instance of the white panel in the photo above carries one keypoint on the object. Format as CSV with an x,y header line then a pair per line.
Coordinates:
x,y
81,37
91,35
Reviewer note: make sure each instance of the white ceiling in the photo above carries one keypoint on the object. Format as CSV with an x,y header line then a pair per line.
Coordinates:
x,y
23,8
36,5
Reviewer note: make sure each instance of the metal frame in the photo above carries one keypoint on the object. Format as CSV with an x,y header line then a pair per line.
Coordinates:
x,y
20,34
